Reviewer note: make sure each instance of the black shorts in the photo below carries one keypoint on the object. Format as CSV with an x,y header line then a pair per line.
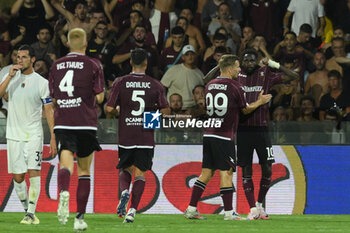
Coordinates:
x,y
139,157
250,138
218,154
82,142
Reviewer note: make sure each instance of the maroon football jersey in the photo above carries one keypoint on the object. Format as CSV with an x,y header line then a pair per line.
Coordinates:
x,y
224,99
136,93
74,81
169,56
262,79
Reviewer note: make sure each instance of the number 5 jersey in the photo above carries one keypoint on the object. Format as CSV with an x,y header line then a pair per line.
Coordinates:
x,y
136,93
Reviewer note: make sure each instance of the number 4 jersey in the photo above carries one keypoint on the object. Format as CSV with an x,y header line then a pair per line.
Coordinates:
x,y
224,100
136,93
74,81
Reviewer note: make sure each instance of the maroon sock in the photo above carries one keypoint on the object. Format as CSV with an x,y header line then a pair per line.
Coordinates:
x,y
197,191
83,193
137,190
264,187
63,179
124,180
249,191
227,195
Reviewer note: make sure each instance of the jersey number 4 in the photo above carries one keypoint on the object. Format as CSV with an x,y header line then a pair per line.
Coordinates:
x,y
216,104
66,84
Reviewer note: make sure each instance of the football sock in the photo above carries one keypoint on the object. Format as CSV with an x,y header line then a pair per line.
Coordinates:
x,y
227,195
34,193
197,191
82,194
264,187
21,191
124,180
137,190
249,191
63,179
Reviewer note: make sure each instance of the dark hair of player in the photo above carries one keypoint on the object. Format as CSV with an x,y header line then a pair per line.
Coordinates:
x,y
138,56
28,48
250,51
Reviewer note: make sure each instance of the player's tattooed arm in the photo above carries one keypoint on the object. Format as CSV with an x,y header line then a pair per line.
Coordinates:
x,y
262,99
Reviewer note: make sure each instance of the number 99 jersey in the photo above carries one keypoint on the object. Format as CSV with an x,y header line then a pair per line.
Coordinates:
x,y
74,82
136,93
224,99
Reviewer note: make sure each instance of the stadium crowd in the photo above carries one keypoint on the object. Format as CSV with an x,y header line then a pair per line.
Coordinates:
x,y
185,40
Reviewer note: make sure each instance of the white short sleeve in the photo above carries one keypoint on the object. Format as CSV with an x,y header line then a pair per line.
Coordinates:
x,y
320,10
292,5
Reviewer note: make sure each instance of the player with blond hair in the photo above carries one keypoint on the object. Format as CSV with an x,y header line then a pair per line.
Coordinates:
x,y
76,85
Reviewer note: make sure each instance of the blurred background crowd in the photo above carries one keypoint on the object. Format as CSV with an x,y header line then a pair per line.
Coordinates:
x,y
185,39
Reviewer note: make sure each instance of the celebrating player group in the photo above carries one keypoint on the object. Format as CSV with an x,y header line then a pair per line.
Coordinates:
x,y
239,96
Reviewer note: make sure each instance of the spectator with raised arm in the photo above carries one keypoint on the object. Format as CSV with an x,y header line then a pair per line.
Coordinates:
x,y
30,14
224,19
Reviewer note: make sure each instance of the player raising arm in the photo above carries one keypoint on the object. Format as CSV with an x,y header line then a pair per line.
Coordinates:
x,y
76,84
135,93
225,99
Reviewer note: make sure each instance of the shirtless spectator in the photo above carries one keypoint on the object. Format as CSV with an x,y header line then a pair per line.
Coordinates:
x,y
317,82
192,31
77,20
162,19
338,48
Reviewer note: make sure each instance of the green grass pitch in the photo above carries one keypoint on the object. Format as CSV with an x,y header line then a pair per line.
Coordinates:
x,y
153,223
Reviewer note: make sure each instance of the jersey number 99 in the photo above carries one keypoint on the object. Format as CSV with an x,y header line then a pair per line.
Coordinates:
x,y
216,104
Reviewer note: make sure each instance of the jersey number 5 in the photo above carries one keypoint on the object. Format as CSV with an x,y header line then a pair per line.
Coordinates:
x,y
66,84
217,104
136,98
